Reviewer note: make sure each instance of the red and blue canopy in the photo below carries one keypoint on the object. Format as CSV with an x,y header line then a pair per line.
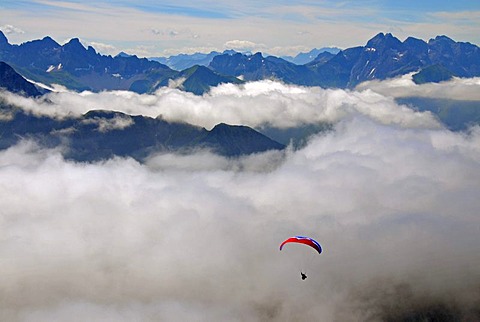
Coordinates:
x,y
303,240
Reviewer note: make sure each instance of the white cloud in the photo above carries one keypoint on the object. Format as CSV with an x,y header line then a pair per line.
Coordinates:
x,y
105,49
9,29
195,237
117,122
403,86
244,45
254,104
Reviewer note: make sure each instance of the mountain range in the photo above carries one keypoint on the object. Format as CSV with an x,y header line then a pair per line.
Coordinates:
x,y
384,56
185,61
98,135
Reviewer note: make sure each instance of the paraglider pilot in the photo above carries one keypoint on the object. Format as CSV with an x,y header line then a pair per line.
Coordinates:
x,y
304,276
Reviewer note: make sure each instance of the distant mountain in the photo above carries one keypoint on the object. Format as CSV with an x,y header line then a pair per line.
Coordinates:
x,y
236,140
256,67
383,56
100,135
199,79
124,55
336,71
185,61
305,58
81,68
432,74
456,115
11,81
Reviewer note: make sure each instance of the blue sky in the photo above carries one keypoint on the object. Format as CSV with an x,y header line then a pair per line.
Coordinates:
x,y
149,28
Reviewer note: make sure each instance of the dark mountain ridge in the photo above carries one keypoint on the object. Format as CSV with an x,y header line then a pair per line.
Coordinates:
x,y
13,82
384,56
80,68
99,135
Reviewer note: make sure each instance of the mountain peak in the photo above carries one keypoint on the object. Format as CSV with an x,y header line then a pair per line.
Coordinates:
x,y
75,44
14,82
48,40
123,55
3,39
442,38
383,40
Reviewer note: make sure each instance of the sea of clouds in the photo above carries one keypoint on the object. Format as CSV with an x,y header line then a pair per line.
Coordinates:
x,y
392,196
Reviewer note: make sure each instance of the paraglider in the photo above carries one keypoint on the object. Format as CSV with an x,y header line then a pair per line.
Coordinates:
x,y
306,241
303,240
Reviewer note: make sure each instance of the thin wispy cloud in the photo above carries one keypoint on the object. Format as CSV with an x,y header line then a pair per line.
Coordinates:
x,y
277,25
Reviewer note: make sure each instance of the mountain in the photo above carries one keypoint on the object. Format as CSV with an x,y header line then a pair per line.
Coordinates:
x,y
11,81
384,56
185,61
456,115
336,71
432,74
199,79
256,67
236,140
305,58
99,135
81,68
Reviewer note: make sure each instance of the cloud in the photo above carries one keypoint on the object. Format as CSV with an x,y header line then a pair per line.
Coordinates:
x,y
104,48
118,122
457,89
9,29
244,45
254,104
195,236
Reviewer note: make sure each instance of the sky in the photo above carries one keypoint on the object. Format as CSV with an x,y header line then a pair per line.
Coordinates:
x,y
148,28
389,193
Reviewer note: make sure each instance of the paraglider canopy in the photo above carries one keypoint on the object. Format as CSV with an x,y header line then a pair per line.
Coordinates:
x,y
303,240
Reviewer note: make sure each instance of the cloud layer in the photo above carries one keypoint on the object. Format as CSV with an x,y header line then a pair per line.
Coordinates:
x,y
253,104
467,89
393,201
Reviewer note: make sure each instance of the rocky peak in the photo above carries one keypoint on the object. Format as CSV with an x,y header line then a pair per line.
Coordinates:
x,y
382,41
441,39
3,39
74,44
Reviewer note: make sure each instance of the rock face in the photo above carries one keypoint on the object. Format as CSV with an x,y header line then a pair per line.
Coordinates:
x,y
11,81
